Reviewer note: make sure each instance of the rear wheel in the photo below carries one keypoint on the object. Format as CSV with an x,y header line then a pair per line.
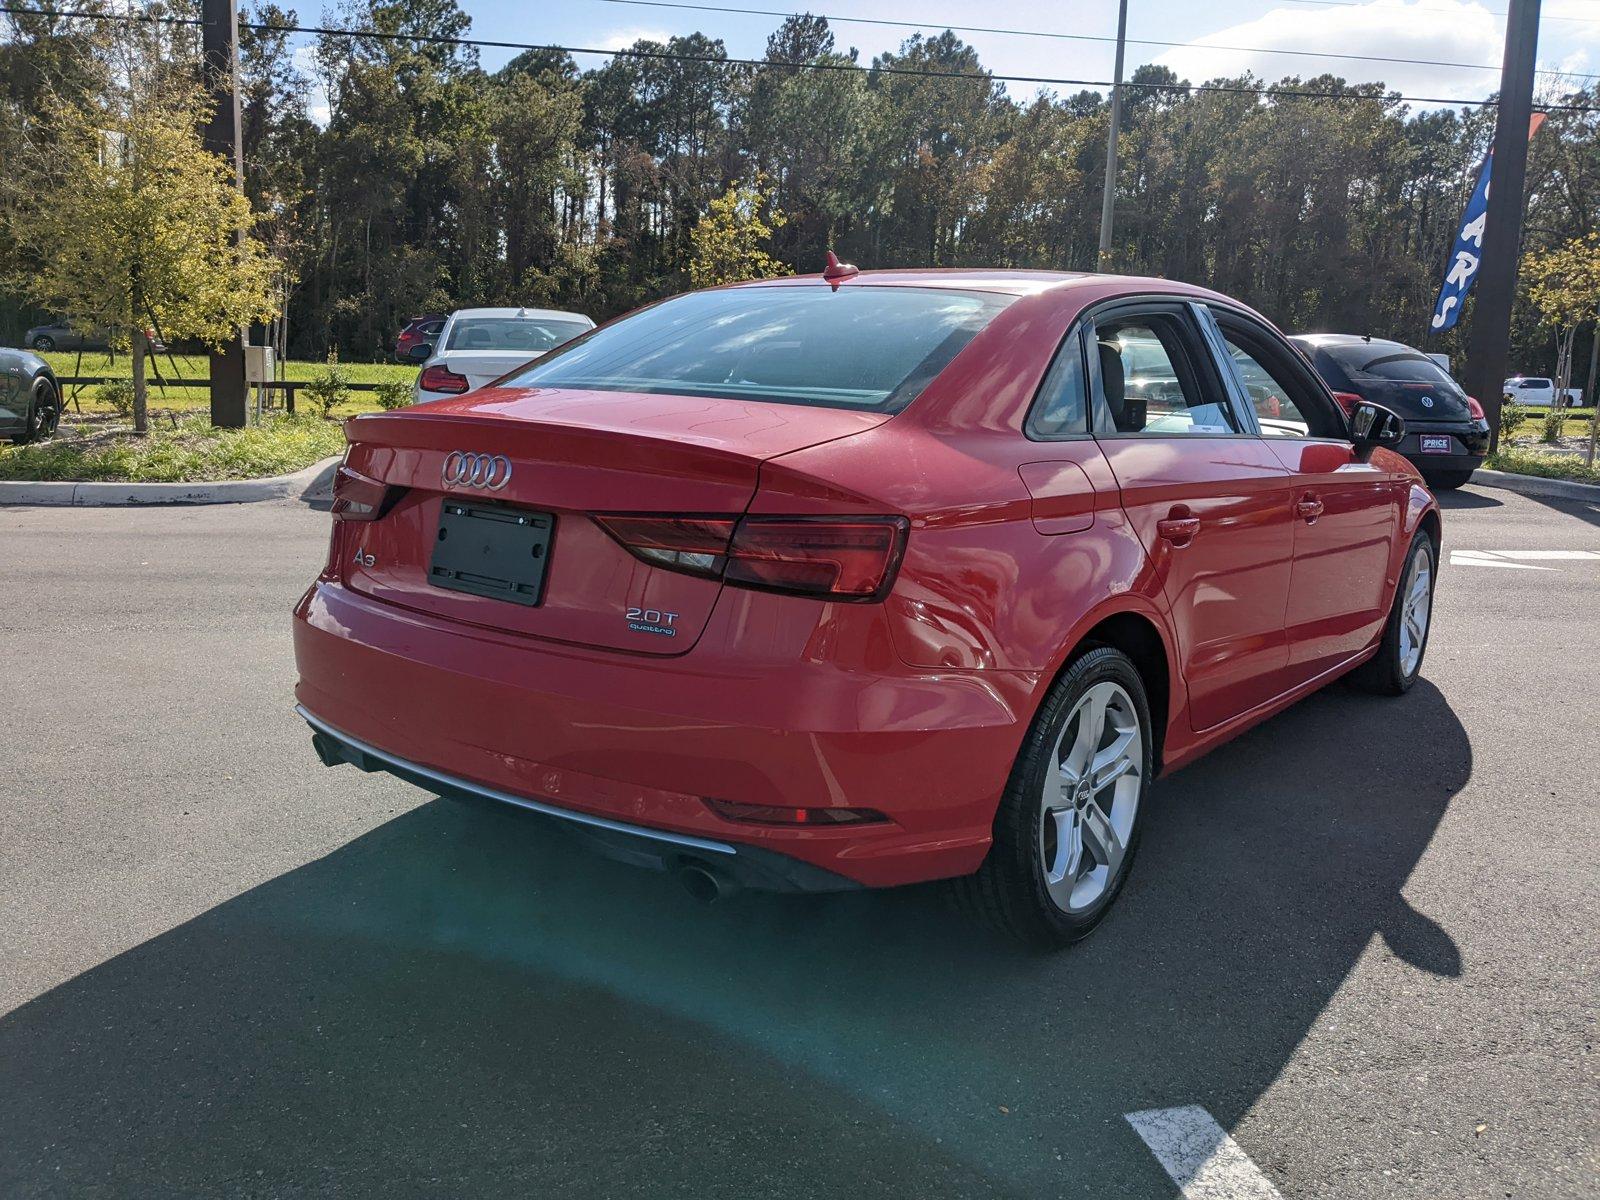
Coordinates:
x,y
1395,667
1068,824
44,414
1447,481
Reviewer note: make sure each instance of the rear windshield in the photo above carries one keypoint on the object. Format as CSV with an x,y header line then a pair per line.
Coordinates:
x,y
536,334
1370,365
869,348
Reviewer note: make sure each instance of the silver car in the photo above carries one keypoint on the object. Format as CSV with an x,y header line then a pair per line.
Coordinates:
x,y
58,335
478,345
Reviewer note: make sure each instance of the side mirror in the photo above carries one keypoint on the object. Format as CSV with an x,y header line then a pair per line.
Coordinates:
x,y
419,352
1374,425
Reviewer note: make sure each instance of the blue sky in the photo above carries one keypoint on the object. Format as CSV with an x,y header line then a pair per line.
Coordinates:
x,y
1451,30
1456,31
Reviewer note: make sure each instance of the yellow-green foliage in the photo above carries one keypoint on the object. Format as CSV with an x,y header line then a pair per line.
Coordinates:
x,y
146,227
1564,283
727,243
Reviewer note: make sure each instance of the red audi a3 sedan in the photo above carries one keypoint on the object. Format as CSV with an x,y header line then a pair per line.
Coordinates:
x,y
865,579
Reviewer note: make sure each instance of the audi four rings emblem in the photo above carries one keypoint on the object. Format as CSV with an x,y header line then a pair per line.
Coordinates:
x,y
492,471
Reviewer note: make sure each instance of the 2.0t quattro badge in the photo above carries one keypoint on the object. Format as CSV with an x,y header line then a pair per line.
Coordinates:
x,y
491,471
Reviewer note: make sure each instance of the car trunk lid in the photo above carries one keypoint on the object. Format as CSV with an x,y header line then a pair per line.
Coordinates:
x,y
515,473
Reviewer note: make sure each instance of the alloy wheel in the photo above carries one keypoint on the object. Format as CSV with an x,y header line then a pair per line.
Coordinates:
x,y
1415,611
1090,797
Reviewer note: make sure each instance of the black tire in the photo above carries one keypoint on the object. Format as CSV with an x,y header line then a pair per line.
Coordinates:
x,y
44,414
1385,674
1447,481
1009,892
44,342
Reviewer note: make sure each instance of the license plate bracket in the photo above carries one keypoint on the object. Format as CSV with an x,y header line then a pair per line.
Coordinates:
x,y
494,550
1435,443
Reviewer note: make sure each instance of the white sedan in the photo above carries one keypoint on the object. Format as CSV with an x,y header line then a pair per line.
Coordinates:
x,y
478,345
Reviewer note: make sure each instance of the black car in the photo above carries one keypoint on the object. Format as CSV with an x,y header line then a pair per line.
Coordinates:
x,y
1446,433
30,398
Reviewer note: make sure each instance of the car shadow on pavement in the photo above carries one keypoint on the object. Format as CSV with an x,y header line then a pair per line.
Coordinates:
x,y
462,1003
1459,499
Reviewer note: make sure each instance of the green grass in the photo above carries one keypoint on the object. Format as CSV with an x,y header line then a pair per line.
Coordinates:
x,y
193,452
1546,466
1573,426
196,366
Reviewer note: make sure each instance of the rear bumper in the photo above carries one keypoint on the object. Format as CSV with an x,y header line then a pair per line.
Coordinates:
x,y
1469,444
747,866
628,746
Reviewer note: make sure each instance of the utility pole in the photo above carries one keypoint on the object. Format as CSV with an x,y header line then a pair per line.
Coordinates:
x,y
1502,235
219,48
1109,197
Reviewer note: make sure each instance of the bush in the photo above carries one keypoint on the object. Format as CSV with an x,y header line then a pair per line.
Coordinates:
x,y
329,387
393,393
1512,415
118,396
1553,421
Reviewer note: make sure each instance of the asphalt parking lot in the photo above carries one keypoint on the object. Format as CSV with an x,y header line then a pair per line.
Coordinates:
x,y
1363,937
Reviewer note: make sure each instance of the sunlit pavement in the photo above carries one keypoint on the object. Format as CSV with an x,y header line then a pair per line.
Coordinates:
x,y
1361,940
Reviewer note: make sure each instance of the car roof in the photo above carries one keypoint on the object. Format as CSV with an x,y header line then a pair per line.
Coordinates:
x,y
985,279
531,314
1351,339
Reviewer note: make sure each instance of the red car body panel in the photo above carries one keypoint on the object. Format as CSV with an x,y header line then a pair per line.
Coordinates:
x,y
914,707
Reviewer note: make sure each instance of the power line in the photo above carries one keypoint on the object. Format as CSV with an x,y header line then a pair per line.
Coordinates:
x,y
1075,37
673,56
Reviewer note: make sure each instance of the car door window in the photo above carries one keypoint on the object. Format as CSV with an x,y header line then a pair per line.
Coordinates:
x,y
1279,416
1150,380
1061,407
1287,399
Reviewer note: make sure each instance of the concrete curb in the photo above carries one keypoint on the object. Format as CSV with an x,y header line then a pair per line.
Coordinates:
x,y
313,483
1534,485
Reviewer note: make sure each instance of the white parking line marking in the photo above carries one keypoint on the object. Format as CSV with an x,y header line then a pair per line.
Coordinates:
x,y
1202,1159
1490,558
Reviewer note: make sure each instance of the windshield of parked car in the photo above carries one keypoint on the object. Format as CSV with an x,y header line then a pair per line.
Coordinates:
x,y
871,348
534,334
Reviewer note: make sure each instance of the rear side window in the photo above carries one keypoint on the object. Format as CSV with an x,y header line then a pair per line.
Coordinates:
x,y
1062,405
869,348
532,334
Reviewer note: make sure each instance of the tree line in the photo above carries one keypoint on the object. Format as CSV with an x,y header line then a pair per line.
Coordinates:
x,y
430,182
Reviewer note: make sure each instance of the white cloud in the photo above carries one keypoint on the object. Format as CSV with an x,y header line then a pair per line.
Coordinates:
x,y
623,38
1438,30
317,107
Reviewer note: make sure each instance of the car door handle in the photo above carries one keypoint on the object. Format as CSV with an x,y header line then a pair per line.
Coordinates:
x,y
1180,531
1308,508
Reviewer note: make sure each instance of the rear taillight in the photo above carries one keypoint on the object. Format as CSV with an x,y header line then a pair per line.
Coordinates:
x,y
1475,409
848,558
359,498
1347,401
442,379
694,545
